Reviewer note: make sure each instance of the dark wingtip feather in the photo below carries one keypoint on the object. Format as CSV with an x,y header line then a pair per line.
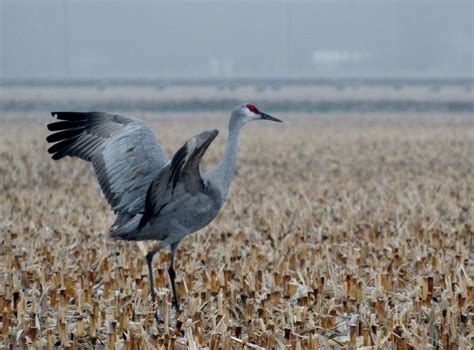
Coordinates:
x,y
65,134
51,127
51,151
63,125
58,156
60,146
70,115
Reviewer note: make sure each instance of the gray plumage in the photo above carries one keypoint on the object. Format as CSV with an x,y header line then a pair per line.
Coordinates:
x,y
180,200
124,153
154,198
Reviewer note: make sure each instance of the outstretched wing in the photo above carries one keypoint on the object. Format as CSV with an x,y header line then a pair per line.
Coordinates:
x,y
124,153
179,179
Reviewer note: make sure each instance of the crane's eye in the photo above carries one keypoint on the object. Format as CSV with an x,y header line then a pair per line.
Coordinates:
x,y
252,108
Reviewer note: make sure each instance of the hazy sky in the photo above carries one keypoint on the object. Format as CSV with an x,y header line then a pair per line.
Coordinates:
x,y
153,39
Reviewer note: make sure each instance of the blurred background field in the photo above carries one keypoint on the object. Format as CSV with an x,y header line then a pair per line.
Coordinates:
x,y
344,227
285,95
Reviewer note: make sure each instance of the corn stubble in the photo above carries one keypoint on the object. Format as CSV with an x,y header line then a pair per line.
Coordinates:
x,y
338,233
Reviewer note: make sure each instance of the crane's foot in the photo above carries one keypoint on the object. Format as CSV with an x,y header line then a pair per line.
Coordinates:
x,y
149,259
175,305
155,312
155,308
157,318
155,315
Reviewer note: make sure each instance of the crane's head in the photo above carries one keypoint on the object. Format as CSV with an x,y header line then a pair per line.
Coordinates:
x,y
247,112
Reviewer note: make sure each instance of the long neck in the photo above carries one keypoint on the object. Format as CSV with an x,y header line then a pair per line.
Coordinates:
x,y
224,172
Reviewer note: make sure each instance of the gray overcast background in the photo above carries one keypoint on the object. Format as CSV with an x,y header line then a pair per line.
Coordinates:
x,y
232,39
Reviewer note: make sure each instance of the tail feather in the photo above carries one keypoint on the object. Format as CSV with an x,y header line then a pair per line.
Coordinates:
x,y
122,219
128,230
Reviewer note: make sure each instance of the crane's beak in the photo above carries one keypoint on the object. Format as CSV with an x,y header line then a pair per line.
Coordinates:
x,y
265,116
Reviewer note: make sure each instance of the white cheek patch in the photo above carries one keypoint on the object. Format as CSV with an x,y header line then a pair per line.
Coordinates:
x,y
249,114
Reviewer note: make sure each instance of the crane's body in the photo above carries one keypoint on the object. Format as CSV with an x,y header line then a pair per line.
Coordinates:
x,y
154,198
187,213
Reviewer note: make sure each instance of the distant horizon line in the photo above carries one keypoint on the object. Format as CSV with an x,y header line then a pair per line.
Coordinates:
x,y
294,80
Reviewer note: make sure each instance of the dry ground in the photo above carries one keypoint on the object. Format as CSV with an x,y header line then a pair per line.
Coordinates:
x,y
339,231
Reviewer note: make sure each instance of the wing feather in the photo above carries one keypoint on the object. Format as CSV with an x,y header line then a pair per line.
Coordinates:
x,y
179,178
124,152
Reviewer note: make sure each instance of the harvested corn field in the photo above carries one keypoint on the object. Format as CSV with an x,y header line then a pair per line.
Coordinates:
x,y
340,231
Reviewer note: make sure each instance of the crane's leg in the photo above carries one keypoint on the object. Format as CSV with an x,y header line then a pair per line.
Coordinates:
x,y
172,275
149,259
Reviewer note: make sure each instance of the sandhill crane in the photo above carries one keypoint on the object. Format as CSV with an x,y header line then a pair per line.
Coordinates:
x,y
154,198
